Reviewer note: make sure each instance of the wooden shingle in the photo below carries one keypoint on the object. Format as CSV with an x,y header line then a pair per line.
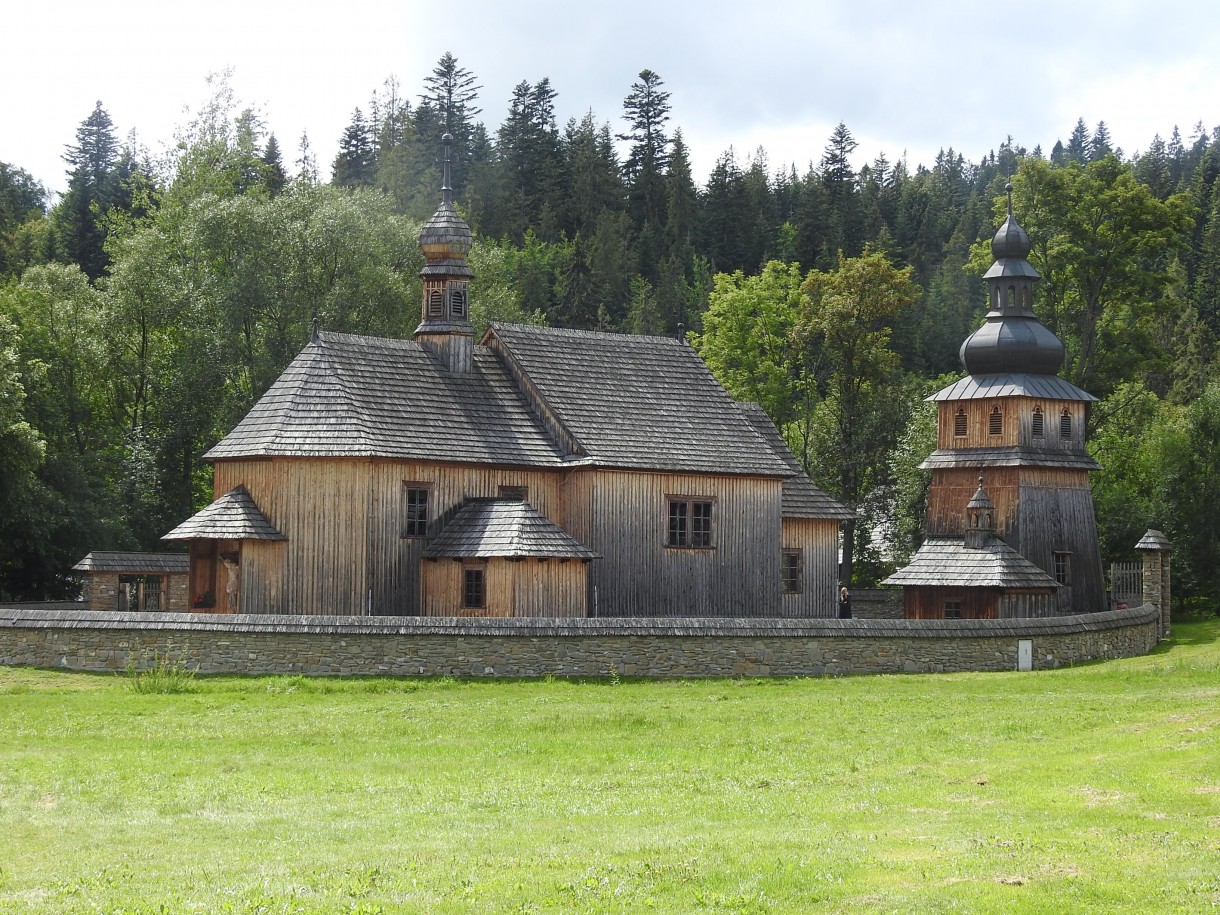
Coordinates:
x,y
233,516
947,562
504,529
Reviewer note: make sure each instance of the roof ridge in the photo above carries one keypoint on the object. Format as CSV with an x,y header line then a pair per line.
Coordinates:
x,y
548,416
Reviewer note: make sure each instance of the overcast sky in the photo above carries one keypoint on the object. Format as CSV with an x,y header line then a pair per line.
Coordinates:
x,y
903,76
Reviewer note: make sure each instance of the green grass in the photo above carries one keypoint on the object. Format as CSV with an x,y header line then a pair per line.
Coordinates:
x,y
1093,789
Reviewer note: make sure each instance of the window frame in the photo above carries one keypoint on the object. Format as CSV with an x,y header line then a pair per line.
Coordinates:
x,y
795,583
690,522
414,528
1065,425
1061,561
952,609
474,585
1037,425
995,421
961,423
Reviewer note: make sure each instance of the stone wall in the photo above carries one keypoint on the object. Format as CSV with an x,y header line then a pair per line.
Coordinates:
x,y
249,644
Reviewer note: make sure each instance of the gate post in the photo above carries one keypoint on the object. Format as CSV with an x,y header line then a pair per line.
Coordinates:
x,y
1155,549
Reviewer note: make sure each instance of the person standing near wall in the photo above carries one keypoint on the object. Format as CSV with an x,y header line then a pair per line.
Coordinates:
x,y
844,604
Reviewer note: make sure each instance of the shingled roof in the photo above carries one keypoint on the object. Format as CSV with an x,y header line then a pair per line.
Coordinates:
x,y
234,516
947,562
801,498
504,529
1008,456
637,402
134,563
356,396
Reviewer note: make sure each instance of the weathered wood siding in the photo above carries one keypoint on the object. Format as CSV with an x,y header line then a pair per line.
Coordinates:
x,y
624,517
525,588
345,520
818,541
920,603
1039,511
1016,423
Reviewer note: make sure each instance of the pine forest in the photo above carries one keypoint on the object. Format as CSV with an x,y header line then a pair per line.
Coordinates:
x,y
145,309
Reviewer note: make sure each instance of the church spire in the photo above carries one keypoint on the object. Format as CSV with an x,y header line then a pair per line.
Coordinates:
x,y
445,329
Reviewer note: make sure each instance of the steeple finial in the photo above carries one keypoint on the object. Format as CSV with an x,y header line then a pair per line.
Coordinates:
x,y
447,184
1008,191
313,330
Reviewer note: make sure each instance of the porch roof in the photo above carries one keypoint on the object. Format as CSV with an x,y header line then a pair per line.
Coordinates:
x,y
234,516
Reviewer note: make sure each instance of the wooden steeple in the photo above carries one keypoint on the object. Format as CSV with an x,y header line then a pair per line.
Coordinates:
x,y
445,330
1015,418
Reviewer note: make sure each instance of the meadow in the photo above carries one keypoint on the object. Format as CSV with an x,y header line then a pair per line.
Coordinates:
x,y
1090,789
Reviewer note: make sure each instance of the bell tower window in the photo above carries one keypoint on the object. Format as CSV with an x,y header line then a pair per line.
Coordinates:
x,y
436,303
1065,426
959,424
1036,426
457,301
995,422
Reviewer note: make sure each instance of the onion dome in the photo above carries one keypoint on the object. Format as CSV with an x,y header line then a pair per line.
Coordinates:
x,y
445,239
1013,340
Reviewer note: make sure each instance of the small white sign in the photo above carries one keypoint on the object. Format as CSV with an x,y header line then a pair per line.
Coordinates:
x,y
1025,654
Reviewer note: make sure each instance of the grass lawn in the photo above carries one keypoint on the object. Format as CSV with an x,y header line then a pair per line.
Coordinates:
x,y
1093,789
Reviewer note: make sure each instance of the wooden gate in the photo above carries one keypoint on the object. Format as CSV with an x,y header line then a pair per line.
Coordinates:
x,y
1126,584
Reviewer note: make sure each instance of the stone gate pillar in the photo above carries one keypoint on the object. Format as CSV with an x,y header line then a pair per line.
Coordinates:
x,y
1155,549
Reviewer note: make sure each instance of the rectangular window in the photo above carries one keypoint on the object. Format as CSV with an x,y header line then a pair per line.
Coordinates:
x,y
474,588
516,493
690,523
791,579
1063,568
417,511
953,609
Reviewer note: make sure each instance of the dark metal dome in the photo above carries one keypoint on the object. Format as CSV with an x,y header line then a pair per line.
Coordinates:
x,y
1013,340
1012,343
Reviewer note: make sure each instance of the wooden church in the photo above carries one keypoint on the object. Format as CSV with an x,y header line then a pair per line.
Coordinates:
x,y
539,472
1013,421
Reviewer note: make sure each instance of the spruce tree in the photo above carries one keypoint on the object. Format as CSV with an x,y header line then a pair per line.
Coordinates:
x,y
646,110
92,189
356,164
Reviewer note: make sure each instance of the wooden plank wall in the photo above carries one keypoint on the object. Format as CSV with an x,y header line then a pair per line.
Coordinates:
x,y
920,603
345,520
818,541
1017,423
627,522
526,588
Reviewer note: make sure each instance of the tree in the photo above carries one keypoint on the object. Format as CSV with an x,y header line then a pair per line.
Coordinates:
x,y
356,163
749,342
450,94
646,110
22,208
847,322
1103,244
79,218
839,183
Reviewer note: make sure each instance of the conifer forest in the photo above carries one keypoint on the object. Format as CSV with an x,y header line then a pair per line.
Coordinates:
x,y
145,309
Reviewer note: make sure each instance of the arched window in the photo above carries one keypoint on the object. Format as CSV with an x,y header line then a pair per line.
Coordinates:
x,y
1012,296
458,299
995,422
1065,425
959,424
1037,423
436,303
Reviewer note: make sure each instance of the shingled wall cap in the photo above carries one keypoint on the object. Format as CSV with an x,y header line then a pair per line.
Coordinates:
x,y
234,516
1154,540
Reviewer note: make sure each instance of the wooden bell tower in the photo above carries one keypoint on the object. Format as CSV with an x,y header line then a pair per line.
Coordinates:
x,y
1013,417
